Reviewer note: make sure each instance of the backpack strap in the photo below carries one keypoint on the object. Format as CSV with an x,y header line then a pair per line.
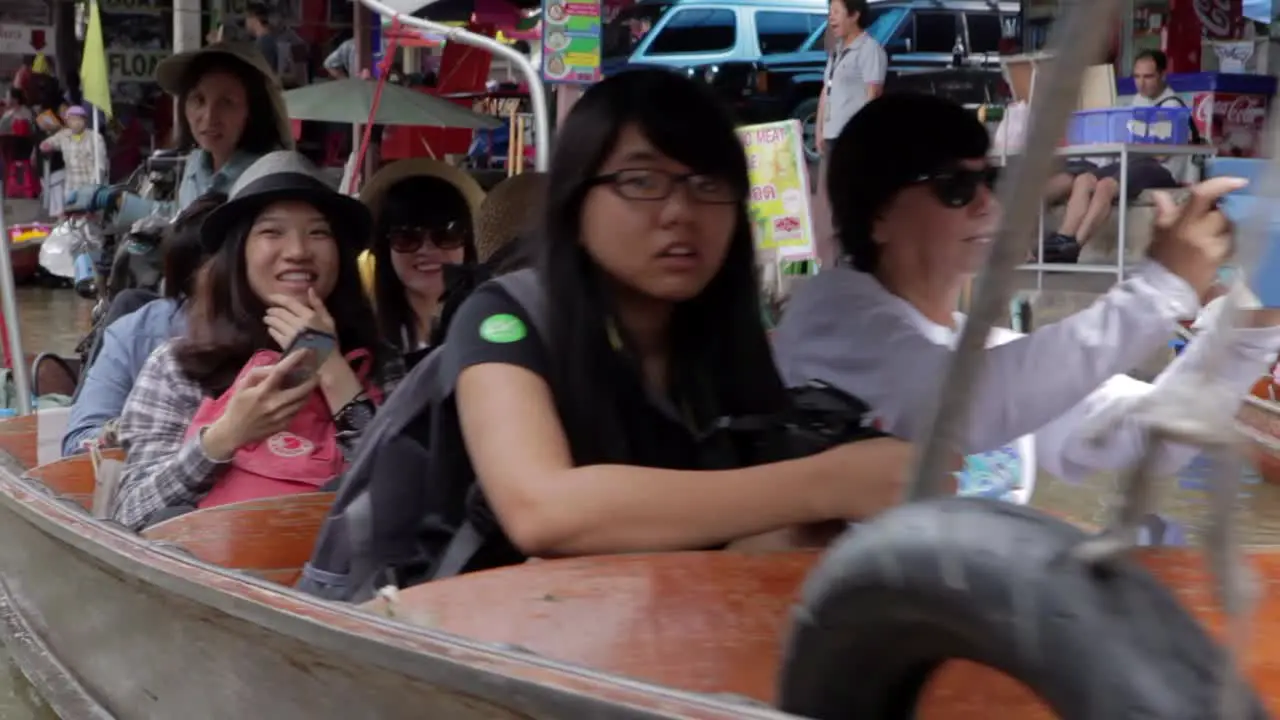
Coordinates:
x,y
523,287
462,547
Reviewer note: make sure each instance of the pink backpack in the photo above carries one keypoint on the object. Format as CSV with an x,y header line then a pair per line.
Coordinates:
x,y
301,459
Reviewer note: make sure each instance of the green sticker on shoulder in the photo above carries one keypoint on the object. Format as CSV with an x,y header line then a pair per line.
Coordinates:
x,y
503,328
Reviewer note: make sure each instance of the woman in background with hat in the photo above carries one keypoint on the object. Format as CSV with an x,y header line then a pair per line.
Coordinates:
x,y
511,209
915,210
424,215
231,113
84,152
283,265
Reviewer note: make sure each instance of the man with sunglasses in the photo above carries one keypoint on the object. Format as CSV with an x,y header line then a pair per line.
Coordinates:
x,y
913,201
853,77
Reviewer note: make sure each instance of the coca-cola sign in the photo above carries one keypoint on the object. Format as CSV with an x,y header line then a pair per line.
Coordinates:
x,y
1220,19
1234,125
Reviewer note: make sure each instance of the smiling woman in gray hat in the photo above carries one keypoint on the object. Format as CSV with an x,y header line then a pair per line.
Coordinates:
x,y
210,408
231,112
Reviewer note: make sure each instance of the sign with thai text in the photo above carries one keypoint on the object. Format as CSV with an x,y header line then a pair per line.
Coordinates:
x,y
781,220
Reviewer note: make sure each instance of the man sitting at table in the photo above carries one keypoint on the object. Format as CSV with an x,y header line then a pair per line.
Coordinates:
x,y
1092,193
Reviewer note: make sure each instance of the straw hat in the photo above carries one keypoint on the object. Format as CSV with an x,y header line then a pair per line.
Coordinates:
x,y
172,70
286,175
375,191
509,210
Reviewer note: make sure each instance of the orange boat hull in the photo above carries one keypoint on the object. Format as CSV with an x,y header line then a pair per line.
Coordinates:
x,y
715,622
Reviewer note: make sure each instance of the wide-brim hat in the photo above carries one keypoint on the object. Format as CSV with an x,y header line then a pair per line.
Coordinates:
x,y
287,175
511,208
375,191
171,71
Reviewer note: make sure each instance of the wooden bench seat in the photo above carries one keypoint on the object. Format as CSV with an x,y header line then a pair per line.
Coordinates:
x,y
270,538
72,477
34,439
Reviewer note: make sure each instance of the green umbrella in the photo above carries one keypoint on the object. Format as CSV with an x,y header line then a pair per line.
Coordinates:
x,y
349,100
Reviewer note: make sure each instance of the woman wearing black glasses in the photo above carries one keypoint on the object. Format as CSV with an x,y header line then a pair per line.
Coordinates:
x,y
424,213
589,438
913,204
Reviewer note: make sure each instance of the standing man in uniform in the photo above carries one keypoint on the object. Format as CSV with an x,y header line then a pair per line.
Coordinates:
x,y
854,76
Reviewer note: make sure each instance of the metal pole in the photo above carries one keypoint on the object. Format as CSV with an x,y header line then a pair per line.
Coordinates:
x,y
97,159
537,93
9,308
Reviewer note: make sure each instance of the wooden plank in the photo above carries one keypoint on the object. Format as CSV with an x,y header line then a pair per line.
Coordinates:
x,y
72,477
268,537
714,622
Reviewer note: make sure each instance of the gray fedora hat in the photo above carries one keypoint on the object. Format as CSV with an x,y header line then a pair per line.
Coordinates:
x,y
287,175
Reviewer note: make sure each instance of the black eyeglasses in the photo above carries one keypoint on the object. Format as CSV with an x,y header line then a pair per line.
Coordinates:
x,y
407,239
660,184
958,187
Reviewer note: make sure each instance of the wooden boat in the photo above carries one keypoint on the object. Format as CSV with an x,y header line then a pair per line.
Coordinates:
x,y
195,617
24,249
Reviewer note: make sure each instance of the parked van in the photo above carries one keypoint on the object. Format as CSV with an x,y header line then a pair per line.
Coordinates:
x,y
688,33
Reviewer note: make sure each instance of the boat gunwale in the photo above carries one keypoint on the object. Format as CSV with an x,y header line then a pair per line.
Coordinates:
x,y
62,691
451,662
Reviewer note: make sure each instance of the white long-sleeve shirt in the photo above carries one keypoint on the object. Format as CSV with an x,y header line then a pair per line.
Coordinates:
x,y
1037,392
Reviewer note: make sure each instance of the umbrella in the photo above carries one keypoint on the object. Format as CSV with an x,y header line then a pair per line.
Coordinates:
x,y
349,101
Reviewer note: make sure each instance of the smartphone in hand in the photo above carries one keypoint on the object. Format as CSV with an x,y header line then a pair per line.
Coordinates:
x,y
321,344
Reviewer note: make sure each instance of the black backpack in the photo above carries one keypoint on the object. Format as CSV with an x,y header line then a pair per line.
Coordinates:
x,y
392,523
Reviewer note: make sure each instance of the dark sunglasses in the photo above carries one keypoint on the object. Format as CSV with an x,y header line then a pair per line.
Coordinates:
x,y
406,239
958,187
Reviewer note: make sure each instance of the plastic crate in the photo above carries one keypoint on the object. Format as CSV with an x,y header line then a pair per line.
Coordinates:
x,y
1140,125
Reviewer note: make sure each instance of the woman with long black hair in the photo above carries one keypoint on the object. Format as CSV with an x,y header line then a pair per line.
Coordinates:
x,y
589,440
210,407
424,219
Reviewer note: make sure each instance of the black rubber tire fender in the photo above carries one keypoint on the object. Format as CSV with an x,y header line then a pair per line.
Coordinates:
x,y
993,583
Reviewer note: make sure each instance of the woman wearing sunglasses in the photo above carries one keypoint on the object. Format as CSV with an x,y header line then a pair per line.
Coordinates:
x,y
912,199
424,214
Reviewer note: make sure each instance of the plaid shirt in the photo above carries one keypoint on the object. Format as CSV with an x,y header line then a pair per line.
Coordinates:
x,y
163,468
77,156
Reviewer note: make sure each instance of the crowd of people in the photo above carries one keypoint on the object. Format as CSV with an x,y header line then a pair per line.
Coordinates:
x,y
292,313
592,432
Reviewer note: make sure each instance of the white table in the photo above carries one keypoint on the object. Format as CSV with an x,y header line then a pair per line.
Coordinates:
x,y
1123,152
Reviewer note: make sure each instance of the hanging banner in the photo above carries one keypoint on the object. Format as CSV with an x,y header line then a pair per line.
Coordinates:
x,y
571,41
781,219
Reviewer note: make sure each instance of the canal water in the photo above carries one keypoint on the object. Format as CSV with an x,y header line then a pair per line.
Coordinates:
x,y
52,320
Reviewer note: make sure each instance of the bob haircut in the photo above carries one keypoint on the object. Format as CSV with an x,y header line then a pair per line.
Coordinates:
x,y
720,356
182,250
261,134
423,201
224,321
